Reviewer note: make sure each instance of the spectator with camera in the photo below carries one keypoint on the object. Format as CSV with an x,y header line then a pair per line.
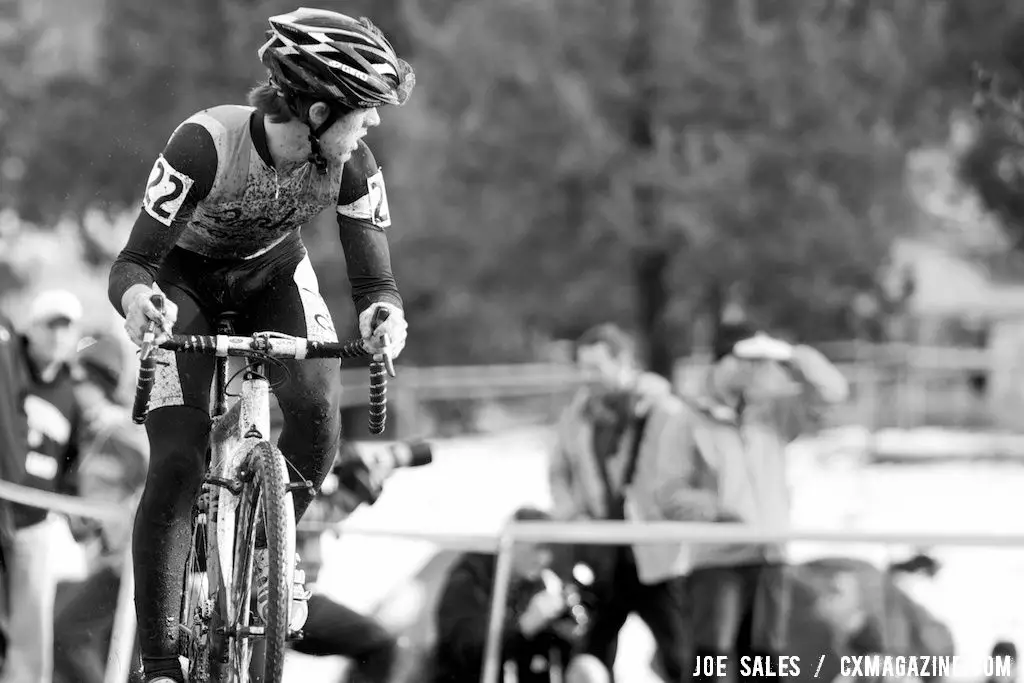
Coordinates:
x,y
591,468
535,639
331,628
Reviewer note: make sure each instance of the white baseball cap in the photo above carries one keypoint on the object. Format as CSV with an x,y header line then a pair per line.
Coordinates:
x,y
54,304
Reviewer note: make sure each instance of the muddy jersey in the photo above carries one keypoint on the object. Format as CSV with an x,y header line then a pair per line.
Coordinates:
x,y
215,191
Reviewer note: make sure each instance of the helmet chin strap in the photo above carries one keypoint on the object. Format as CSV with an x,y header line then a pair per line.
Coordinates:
x,y
316,156
298,108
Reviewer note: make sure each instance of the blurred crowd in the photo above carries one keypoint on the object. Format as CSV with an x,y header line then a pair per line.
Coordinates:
x,y
627,448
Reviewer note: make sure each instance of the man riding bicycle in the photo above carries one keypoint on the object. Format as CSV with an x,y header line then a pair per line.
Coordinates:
x,y
219,232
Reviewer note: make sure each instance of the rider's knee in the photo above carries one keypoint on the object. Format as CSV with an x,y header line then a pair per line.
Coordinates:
x,y
177,431
586,669
312,385
177,450
314,405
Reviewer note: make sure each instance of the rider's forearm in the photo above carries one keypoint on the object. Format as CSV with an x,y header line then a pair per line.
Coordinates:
x,y
127,278
368,259
132,292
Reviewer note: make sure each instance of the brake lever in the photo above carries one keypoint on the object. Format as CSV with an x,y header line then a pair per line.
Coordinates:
x,y
379,316
146,348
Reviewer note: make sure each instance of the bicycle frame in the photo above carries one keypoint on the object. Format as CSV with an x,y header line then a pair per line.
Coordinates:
x,y
239,434
235,432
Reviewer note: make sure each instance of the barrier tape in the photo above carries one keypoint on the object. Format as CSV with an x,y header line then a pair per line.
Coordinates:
x,y
604,533
635,533
58,502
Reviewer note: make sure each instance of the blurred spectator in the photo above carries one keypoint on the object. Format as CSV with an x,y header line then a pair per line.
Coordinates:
x,y
866,610
529,642
1004,648
100,363
113,470
13,449
590,469
720,457
332,629
54,421
98,366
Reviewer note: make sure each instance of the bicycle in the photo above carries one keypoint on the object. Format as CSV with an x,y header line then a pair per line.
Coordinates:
x,y
246,484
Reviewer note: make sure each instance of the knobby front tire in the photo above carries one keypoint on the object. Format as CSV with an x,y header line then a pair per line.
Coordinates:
x,y
263,497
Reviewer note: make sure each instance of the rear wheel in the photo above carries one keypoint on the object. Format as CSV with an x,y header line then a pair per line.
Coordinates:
x,y
197,599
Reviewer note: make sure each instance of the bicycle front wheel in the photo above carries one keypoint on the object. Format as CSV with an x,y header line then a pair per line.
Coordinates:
x,y
264,502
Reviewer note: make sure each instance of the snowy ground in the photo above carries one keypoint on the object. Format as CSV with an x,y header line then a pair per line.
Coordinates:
x,y
475,482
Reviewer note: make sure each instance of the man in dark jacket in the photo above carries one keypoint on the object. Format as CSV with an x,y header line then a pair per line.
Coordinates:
x,y
463,615
13,446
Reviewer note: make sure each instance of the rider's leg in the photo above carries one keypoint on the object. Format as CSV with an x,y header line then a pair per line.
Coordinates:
x,y
178,426
308,391
311,408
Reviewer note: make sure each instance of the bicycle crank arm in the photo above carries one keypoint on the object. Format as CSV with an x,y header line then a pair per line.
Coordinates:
x,y
255,632
242,631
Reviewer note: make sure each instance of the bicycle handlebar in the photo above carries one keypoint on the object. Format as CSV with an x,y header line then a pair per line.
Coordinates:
x,y
273,345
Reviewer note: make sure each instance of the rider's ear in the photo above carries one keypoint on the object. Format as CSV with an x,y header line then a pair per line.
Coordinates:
x,y
318,113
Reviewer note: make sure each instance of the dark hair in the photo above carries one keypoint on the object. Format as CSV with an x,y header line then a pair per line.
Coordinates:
x,y
727,335
268,101
617,340
1004,648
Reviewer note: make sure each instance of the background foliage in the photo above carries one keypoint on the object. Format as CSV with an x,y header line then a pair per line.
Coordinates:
x,y
564,163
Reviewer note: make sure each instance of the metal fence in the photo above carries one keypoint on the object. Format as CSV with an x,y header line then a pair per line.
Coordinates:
x,y
892,386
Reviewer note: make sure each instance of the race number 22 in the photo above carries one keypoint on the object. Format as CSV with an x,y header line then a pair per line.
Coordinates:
x,y
165,191
381,213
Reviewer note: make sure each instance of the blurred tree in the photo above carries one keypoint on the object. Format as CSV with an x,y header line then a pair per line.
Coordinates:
x,y
994,163
16,40
672,149
564,163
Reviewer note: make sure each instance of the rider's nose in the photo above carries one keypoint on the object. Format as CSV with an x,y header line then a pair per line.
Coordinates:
x,y
372,118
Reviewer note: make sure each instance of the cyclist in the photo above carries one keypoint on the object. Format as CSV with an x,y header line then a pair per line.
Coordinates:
x,y
219,231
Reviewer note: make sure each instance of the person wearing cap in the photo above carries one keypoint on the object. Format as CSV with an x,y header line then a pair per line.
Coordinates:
x,y
53,330
589,472
719,456
54,427
463,615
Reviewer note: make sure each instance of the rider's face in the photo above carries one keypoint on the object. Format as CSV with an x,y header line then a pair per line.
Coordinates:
x,y
341,139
